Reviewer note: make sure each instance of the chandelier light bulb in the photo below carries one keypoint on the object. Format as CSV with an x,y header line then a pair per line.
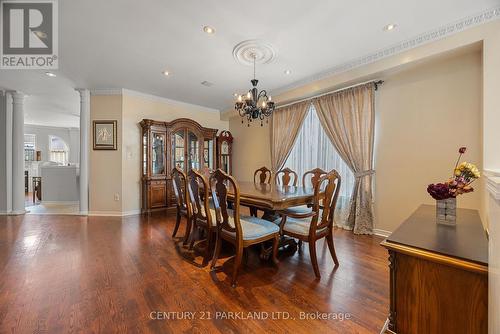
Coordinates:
x,y
263,104
269,98
248,95
240,98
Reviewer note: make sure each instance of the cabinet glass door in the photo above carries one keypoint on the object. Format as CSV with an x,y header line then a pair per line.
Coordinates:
x,y
193,151
145,154
158,154
208,156
178,149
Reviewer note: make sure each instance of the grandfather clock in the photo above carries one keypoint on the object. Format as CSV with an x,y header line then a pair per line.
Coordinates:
x,y
225,151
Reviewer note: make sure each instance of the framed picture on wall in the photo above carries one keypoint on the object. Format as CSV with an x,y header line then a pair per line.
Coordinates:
x,y
104,135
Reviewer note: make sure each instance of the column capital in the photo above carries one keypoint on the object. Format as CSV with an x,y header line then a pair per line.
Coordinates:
x,y
84,92
17,96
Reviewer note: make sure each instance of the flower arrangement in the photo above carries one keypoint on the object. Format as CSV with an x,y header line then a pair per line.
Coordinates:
x,y
460,183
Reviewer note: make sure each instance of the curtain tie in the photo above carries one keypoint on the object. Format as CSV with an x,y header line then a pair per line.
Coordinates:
x,y
364,173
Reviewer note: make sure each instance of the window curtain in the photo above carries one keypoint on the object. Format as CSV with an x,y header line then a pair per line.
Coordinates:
x,y
348,118
285,126
313,149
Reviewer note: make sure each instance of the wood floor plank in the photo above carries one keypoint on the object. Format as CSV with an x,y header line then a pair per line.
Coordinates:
x,y
70,274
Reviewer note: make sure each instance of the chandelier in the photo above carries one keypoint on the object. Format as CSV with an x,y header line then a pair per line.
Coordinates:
x,y
254,105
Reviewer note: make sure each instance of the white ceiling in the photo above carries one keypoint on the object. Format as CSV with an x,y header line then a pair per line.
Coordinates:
x,y
128,43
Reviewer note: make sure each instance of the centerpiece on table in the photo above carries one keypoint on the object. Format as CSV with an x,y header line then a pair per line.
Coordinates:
x,y
446,193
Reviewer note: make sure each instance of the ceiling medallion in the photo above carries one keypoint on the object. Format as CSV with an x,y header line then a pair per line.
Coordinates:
x,y
254,105
254,50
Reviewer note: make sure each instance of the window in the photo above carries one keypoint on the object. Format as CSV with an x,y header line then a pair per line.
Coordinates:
x,y
29,147
58,150
314,149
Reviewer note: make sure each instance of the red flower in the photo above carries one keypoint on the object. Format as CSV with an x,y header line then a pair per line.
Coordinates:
x,y
462,150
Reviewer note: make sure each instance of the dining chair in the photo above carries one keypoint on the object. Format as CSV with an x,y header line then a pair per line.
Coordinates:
x,y
309,180
241,231
316,175
318,223
285,177
263,175
201,213
179,184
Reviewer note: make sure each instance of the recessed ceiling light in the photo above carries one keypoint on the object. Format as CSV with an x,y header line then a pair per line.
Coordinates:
x,y
165,73
287,72
390,27
209,30
207,83
50,74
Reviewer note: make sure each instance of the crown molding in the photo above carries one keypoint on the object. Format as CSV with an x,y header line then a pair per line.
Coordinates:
x,y
427,37
148,97
106,91
155,98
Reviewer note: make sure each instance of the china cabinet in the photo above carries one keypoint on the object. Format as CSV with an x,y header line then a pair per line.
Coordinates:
x,y
225,151
183,143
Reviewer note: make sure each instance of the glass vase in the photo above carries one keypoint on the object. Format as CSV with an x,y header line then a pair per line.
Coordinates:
x,y
446,211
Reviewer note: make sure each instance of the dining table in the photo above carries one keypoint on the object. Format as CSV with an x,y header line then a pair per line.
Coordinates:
x,y
271,198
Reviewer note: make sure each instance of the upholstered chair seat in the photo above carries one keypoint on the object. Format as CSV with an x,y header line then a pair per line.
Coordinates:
x,y
299,226
255,228
301,209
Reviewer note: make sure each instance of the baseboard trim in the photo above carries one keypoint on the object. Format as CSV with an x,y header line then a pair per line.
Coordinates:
x,y
59,202
114,213
381,233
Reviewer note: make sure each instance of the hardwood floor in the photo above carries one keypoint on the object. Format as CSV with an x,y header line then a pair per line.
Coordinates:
x,y
64,274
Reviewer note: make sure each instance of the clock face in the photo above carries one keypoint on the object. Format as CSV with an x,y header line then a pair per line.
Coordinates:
x,y
224,147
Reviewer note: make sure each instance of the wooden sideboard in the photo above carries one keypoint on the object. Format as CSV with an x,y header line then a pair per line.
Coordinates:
x,y
438,275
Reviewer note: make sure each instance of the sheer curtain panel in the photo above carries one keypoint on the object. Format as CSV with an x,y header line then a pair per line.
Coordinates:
x,y
348,118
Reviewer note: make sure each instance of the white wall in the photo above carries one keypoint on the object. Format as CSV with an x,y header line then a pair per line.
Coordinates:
x,y
491,119
70,135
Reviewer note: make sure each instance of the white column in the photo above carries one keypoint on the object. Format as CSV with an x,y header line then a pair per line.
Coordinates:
x,y
6,153
84,149
17,153
8,150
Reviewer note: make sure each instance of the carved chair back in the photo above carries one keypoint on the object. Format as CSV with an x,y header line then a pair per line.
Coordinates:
x,y
179,185
315,174
227,220
199,196
326,193
286,176
264,175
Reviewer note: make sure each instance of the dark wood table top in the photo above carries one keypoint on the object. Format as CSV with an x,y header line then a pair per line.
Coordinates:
x,y
272,196
467,240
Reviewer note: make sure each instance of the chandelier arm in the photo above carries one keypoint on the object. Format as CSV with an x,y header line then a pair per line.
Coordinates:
x,y
262,93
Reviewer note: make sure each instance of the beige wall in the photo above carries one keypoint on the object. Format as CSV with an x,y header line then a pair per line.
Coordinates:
x,y
119,172
136,108
105,167
251,148
423,115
